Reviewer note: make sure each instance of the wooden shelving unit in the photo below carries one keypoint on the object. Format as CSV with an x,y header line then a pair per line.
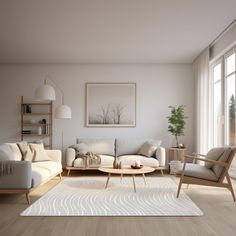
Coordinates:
x,y
32,114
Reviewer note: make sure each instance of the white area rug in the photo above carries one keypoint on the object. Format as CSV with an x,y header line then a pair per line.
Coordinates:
x,y
86,196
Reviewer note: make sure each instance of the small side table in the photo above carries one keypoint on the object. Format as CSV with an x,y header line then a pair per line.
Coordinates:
x,y
176,154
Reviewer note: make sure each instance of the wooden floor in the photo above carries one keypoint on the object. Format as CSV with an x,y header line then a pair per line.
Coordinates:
x,y
217,204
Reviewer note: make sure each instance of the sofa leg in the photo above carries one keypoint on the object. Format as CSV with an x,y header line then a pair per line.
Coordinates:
x,y
60,176
68,172
162,173
27,197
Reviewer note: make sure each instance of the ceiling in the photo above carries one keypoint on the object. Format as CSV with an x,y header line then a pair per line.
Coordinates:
x,y
110,31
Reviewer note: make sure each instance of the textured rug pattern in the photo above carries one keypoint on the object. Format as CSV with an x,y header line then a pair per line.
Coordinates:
x,y
86,196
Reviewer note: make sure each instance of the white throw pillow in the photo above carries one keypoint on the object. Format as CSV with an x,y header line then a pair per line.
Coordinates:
x,y
16,151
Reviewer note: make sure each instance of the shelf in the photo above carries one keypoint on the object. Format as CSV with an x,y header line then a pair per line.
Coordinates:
x,y
36,135
29,124
35,103
39,110
36,114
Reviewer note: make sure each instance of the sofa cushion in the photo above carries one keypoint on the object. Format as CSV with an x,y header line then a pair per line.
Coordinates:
x,y
129,146
6,152
99,146
130,159
16,152
199,171
105,161
42,171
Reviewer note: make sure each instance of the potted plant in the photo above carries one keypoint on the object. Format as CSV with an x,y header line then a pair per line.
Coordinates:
x,y
177,123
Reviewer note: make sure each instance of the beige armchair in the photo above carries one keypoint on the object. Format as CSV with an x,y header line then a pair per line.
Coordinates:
x,y
217,163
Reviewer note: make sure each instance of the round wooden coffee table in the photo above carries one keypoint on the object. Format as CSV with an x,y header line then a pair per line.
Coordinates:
x,y
127,170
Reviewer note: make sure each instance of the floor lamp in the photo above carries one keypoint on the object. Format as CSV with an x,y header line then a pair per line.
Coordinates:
x,y
46,92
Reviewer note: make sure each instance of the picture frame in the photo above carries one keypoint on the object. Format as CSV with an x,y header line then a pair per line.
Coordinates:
x,y
110,104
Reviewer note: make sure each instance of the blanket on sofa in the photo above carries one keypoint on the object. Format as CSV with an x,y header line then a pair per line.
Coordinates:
x,y
90,159
5,168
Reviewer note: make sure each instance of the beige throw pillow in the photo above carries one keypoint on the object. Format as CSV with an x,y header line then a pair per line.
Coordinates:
x,y
39,152
27,153
148,148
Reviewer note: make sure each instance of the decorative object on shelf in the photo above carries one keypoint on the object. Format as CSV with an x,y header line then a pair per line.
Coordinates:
x,y
32,121
39,130
110,104
176,122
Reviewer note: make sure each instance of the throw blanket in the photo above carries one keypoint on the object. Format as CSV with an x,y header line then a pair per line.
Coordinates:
x,y
5,168
90,159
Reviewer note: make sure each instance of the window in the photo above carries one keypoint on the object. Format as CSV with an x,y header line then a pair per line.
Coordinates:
x,y
223,100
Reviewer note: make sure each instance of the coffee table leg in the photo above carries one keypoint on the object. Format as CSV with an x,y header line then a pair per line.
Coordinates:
x,y
121,176
108,177
144,179
134,183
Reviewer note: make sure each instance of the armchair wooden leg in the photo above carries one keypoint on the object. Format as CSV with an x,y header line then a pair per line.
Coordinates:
x,y
60,176
27,197
181,179
230,186
162,173
68,172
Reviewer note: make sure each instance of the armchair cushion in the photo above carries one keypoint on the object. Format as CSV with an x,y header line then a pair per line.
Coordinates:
x,y
214,154
223,158
199,171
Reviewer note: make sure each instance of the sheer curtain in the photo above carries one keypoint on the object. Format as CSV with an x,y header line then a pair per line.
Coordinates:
x,y
201,116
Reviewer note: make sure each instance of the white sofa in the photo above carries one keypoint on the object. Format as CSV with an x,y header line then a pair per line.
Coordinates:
x,y
26,175
125,150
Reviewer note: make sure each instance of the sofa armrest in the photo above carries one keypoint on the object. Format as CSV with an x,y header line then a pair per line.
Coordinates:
x,y
161,156
55,155
70,156
19,178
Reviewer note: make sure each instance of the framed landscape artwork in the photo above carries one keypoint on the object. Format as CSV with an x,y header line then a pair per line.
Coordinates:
x,y
110,104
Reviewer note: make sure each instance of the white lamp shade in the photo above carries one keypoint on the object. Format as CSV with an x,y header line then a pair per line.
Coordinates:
x,y
45,92
63,112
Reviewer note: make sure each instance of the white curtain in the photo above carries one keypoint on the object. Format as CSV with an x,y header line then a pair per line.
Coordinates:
x,y
201,106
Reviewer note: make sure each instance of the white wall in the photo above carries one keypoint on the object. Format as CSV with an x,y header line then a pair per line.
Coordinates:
x,y
158,86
